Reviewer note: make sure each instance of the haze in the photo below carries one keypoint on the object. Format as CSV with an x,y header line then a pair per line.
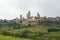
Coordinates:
x,y
10,9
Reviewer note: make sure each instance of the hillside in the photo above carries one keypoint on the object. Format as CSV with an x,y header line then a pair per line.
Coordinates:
x,y
11,38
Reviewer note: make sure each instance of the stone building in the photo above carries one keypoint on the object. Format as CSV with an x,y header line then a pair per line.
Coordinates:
x,y
28,15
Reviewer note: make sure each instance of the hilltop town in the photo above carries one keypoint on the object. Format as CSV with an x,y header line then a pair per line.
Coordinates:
x,y
29,19
32,20
31,28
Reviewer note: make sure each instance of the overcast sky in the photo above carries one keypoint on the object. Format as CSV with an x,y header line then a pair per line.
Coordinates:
x,y
10,9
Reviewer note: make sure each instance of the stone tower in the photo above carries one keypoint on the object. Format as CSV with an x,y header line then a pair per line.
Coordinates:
x,y
38,15
28,15
20,17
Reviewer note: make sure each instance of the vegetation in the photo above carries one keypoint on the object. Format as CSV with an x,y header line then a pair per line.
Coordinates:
x,y
11,38
43,31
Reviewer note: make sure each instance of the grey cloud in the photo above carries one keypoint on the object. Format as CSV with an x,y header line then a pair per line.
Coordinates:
x,y
10,9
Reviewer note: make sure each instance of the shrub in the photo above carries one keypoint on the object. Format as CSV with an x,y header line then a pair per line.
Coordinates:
x,y
5,33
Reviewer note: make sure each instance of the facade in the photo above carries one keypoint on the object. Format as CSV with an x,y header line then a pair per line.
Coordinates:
x,y
57,18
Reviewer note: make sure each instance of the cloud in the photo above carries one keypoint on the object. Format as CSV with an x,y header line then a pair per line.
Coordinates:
x,y
50,7
10,9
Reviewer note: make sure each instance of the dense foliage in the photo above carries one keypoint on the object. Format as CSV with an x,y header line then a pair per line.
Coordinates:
x,y
33,32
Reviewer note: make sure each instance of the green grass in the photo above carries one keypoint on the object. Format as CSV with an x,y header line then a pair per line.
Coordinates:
x,y
11,38
54,34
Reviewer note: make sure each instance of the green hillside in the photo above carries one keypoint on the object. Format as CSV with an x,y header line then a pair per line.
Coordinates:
x,y
54,34
11,38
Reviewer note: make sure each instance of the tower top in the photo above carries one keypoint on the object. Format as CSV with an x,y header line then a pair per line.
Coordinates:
x,y
38,15
28,11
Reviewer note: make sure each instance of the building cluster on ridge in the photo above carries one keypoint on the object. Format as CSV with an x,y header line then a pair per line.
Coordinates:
x,y
31,20
35,20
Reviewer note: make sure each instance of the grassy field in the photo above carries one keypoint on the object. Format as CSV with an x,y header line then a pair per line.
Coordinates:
x,y
11,38
54,34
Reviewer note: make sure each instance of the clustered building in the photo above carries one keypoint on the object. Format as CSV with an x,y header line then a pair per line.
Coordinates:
x,y
31,19
35,20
